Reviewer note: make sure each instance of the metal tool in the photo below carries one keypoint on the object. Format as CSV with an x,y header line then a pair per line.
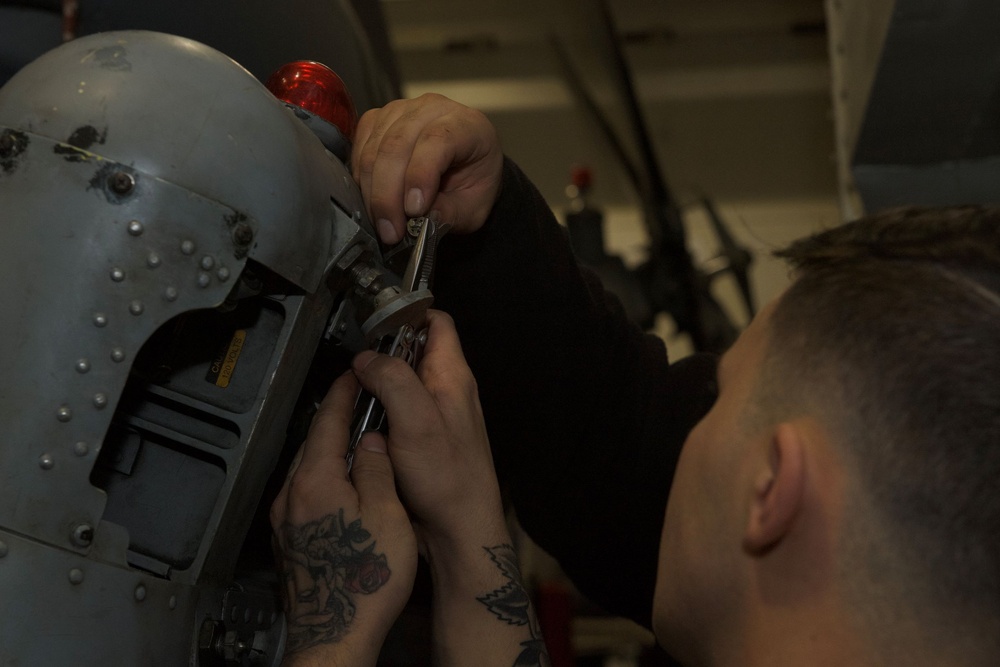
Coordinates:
x,y
398,327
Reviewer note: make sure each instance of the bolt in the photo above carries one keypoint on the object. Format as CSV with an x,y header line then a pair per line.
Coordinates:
x,y
414,225
122,182
83,535
242,234
6,145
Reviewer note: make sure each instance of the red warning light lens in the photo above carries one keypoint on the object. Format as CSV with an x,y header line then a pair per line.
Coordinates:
x,y
317,89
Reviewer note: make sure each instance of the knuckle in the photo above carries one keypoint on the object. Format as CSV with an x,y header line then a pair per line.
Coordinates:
x,y
394,144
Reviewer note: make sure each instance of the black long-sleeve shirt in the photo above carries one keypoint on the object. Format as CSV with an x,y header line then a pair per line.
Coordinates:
x,y
586,416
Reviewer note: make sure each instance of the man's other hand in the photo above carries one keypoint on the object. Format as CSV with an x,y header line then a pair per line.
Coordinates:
x,y
412,157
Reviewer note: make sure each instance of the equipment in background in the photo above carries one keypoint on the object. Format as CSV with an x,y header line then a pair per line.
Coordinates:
x,y
644,290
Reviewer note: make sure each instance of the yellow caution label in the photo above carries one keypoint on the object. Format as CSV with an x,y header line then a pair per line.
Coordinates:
x,y
221,371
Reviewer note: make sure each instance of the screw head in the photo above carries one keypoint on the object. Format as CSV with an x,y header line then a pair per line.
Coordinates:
x,y
122,182
83,535
242,234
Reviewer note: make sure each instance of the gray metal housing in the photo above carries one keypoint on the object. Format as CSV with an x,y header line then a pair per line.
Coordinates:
x,y
140,175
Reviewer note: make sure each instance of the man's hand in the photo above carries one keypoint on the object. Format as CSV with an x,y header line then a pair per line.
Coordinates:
x,y
427,154
437,438
442,459
344,543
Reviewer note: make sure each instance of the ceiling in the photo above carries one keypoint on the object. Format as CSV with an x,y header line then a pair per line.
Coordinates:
x,y
736,94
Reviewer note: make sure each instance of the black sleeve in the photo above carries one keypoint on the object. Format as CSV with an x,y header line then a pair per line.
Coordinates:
x,y
585,415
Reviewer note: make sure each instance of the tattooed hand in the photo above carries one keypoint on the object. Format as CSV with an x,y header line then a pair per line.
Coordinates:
x,y
442,460
344,543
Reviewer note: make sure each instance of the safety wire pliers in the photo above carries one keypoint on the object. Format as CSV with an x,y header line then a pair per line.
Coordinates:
x,y
398,326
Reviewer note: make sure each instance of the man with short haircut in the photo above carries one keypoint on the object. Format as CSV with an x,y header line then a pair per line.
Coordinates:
x,y
839,504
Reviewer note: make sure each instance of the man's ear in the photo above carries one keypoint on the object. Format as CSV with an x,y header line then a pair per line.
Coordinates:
x,y
778,490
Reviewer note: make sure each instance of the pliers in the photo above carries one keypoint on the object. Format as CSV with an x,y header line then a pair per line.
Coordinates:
x,y
398,326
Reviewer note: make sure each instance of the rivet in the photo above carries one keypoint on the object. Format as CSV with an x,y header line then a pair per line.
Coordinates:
x,y
222,274
140,592
260,617
117,275
81,448
3,549
187,247
100,320
83,535
100,401
170,294
64,414
204,280
172,603
117,355
82,365
136,307
46,462
409,336
153,260
422,338
207,262
135,228
122,182
76,576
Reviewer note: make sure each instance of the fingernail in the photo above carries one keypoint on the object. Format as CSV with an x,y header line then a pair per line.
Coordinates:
x,y
386,231
374,443
414,202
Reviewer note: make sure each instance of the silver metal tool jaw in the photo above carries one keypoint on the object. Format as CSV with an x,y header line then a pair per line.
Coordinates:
x,y
169,233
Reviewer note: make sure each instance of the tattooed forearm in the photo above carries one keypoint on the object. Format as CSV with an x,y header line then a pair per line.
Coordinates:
x,y
326,568
511,604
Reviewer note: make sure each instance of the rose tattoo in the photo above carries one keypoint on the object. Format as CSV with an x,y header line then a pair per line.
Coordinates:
x,y
327,554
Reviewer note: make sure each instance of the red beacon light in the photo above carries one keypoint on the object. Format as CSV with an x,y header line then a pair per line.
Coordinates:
x,y
317,89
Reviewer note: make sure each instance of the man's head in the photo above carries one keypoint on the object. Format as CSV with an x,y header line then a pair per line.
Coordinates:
x,y
850,470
